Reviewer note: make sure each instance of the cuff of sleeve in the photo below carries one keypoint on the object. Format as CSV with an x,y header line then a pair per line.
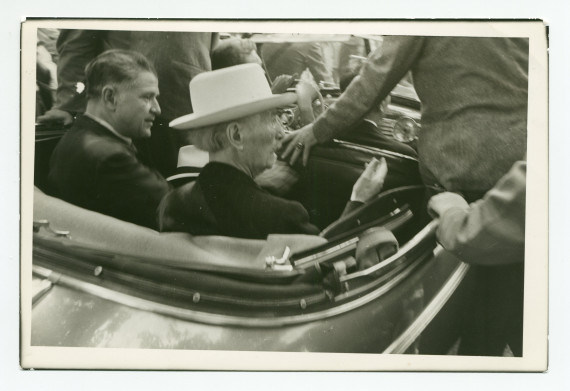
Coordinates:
x,y
450,223
321,132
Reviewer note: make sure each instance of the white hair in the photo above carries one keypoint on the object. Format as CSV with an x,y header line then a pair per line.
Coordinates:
x,y
213,138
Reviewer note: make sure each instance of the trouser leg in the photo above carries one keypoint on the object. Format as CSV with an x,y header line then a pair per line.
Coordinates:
x,y
494,318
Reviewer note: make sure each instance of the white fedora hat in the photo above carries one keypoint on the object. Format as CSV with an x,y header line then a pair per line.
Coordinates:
x,y
230,93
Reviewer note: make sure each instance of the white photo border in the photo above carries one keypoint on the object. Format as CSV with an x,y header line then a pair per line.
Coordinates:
x,y
536,267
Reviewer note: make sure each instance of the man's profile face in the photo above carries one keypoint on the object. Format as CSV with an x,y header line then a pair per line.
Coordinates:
x,y
262,139
137,106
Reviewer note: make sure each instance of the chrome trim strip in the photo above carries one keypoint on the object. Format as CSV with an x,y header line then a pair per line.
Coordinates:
x,y
41,271
44,285
361,148
396,271
220,319
405,340
427,231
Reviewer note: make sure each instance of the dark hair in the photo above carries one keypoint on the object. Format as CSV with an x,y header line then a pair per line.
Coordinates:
x,y
114,67
230,52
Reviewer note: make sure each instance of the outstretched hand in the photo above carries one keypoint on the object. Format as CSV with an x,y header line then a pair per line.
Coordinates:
x,y
299,142
371,181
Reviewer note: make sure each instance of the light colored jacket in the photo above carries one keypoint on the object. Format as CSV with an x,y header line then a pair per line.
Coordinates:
x,y
490,231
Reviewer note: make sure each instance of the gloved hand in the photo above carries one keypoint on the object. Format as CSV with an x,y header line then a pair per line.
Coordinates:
x,y
442,202
370,183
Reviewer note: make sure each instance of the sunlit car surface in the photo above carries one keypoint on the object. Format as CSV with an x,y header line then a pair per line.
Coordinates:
x,y
102,282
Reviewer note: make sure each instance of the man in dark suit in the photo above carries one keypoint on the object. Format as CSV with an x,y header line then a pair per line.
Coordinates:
x,y
236,123
177,58
95,165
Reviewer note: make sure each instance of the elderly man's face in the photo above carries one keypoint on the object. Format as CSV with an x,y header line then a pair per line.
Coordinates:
x,y
262,140
137,106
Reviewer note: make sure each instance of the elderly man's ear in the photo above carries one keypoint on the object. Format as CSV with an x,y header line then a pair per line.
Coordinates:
x,y
109,95
235,136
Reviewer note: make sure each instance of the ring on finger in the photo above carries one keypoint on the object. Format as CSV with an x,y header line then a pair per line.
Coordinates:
x,y
300,146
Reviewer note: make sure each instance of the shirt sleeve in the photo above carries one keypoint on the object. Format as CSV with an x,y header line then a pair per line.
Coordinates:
x,y
491,231
384,68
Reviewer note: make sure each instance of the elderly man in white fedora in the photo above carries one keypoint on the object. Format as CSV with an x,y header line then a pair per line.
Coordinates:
x,y
235,121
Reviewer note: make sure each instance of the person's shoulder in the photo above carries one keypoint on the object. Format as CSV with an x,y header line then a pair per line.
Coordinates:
x,y
104,143
286,209
95,142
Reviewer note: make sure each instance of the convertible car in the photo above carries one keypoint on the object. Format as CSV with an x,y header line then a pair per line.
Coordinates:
x,y
373,282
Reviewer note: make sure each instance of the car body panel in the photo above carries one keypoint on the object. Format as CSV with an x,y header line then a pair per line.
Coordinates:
x,y
67,316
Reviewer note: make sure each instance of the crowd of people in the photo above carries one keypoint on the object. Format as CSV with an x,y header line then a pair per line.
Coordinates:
x,y
136,111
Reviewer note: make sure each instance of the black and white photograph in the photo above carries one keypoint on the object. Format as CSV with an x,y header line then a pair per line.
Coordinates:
x,y
284,195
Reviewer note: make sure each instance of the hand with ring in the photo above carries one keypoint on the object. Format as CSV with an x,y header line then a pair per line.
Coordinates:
x,y
299,142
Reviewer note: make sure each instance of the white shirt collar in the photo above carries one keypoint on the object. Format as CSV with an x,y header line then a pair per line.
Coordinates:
x,y
109,127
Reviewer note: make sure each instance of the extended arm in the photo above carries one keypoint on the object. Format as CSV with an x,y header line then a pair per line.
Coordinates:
x,y
490,231
384,69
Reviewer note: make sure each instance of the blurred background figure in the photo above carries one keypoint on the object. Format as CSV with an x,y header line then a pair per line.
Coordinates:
x,y
48,38
46,80
234,51
46,70
177,58
348,51
291,58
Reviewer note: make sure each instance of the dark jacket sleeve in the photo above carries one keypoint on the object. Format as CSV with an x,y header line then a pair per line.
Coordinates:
x,y
490,231
278,215
128,189
75,48
177,57
384,69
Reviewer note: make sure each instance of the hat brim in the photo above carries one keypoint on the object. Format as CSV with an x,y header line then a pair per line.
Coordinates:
x,y
180,176
185,172
195,120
